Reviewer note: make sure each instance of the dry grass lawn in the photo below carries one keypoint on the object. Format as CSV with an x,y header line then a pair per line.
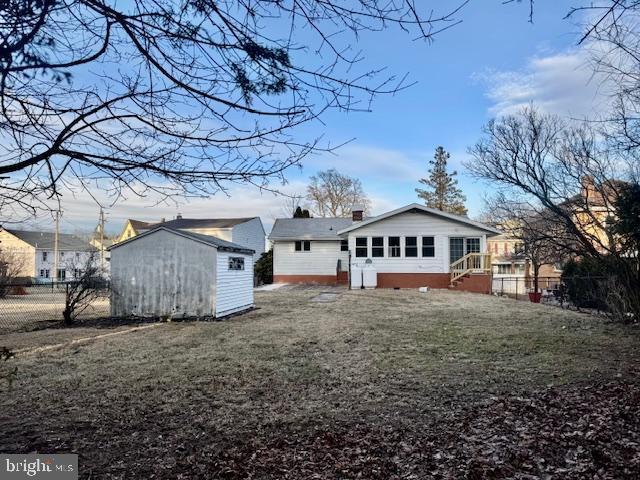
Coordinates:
x,y
366,385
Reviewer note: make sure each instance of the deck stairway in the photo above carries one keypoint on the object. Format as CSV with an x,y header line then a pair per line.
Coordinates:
x,y
470,264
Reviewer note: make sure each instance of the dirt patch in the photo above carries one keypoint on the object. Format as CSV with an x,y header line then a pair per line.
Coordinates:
x,y
376,384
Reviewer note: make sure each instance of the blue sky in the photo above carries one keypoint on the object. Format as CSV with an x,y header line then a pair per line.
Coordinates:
x,y
492,63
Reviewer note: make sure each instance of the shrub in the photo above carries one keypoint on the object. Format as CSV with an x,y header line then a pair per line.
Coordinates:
x,y
605,283
264,268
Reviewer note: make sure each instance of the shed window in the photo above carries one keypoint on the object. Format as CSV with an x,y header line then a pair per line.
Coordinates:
x,y
411,246
394,246
362,244
428,247
303,246
377,249
344,245
236,263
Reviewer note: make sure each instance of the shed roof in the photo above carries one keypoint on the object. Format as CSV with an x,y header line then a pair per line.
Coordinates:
x,y
308,228
198,237
46,240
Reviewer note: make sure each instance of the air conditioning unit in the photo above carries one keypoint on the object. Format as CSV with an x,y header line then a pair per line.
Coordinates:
x,y
369,275
356,277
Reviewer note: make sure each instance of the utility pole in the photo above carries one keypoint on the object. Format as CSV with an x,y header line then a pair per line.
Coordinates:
x,y
101,240
55,247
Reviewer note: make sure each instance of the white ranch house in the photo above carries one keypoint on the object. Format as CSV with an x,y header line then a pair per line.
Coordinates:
x,y
409,247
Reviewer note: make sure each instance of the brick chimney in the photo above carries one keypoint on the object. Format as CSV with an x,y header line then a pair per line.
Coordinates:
x,y
588,191
356,213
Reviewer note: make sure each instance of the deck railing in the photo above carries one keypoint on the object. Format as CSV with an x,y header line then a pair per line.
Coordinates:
x,y
470,263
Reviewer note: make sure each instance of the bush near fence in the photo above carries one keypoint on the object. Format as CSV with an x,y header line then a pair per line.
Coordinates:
x,y
29,306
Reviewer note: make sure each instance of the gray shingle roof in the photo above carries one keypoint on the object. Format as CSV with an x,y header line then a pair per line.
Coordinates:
x,y
208,239
46,240
308,228
185,223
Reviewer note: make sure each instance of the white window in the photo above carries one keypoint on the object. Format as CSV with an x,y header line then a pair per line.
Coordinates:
x,y
377,247
42,273
394,246
362,246
62,274
504,269
428,247
46,274
236,263
411,246
303,246
44,256
344,245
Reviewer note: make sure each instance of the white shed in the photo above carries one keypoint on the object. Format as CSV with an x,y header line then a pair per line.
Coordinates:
x,y
167,272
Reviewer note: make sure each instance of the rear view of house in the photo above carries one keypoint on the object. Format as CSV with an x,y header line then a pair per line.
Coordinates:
x,y
410,247
167,272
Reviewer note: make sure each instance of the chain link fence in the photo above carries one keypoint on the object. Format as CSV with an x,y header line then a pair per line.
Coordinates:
x,y
25,307
586,292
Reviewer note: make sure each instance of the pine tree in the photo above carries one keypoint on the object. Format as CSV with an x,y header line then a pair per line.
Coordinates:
x,y
446,195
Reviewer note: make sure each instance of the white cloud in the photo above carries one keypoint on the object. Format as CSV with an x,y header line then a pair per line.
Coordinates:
x,y
365,161
80,211
561,83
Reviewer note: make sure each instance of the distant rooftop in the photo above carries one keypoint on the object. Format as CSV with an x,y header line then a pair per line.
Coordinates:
x,y
46,240
308,228
184,223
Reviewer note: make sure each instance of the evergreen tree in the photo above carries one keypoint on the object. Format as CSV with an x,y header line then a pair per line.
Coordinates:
x,y
446,195
300,213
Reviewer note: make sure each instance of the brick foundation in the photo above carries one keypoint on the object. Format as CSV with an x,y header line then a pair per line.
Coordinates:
x,y
343,278
318,279
474,283
413,280
471,283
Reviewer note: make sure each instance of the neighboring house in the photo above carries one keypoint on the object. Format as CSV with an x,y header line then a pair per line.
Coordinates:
x,y
166,272
36,249
410,247
247,232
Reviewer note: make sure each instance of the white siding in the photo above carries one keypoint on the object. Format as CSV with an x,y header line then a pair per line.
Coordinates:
x,y
321,260
251,235
413,225
235,287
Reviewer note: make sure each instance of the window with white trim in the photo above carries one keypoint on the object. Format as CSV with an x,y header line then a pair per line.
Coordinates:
x,y
344,245
377,247
410,246
236,263
428,247
362,246
394,246
303,246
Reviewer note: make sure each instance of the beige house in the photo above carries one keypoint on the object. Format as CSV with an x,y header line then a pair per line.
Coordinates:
x,y
36,253
247,232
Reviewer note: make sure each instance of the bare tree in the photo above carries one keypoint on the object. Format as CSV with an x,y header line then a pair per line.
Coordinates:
x,y
180,97
332,194
11,268
88,285
561,184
